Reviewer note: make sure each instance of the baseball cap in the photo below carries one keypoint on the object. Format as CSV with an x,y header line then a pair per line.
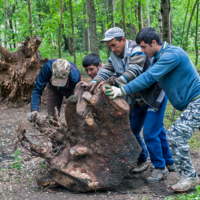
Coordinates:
x,y
112,33
61,69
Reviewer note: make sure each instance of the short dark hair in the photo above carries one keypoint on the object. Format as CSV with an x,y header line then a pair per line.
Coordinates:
x,y
91,59
148,34
118,39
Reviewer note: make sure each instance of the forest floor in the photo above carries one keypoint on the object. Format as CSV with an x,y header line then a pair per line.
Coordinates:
x,y
21,184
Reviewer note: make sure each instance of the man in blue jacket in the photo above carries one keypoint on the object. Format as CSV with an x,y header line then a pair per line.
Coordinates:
x,y
178,77
61,77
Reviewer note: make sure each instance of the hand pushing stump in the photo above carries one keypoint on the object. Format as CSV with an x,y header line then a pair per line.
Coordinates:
x,y
96,148
19,70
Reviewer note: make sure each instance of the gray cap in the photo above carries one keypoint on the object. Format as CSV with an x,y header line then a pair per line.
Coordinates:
x,y
112,33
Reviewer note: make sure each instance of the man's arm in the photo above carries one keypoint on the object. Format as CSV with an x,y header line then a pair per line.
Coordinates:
x,y
163,66
42,79
136,66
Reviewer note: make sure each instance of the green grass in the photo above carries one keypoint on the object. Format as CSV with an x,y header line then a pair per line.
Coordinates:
x,y
191,196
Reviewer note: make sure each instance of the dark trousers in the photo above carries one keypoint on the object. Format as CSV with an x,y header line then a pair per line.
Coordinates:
x,y
153,132
55,98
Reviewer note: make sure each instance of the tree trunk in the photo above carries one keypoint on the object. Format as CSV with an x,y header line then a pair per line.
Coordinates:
x,y
96,148
165,11
160,25
86,41
70,45
184,22
6,24
73,35
60,29
147,20
19,70
13,34
140,15
123,17
196,38
188,28
111,21
92,26
30,17
78,31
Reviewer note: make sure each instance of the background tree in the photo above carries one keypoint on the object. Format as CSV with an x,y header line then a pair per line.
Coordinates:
x,y
124,18
30,17
165,11
92,27
72,20
60,28
196,38
6,25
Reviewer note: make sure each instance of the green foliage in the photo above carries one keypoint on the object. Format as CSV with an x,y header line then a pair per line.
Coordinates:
x,y
17,160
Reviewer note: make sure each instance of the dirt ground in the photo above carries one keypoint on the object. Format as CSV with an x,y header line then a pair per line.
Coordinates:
x,y
21,184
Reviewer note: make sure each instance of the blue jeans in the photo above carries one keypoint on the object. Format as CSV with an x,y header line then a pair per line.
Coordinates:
x,y
153,132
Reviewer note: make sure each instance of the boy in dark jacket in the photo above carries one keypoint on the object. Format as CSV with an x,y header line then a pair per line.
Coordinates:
x,y
61,77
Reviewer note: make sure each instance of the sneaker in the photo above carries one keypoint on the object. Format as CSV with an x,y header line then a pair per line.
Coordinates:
x,y
186,182
140,167
157,175
172,168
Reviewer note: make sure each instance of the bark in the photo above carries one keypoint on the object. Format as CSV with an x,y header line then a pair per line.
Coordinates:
x,y
77,19
123,17
188,28
165,11
111,21
60,29
92,27
140,15
160,25
30,18
196,38
19,70
96,148
70,45
86,41
147,20
6,24
184,22
73,35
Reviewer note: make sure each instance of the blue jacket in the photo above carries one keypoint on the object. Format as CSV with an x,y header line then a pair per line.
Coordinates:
x,y
44,77
176,75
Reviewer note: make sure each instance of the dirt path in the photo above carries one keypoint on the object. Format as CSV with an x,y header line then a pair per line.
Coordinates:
x,y
16,184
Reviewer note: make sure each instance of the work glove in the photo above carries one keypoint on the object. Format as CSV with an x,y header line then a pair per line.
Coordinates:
x,y
30,116
113,91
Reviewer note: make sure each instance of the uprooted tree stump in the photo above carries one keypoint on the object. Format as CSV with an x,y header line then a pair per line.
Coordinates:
x,y
19,70
94,150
